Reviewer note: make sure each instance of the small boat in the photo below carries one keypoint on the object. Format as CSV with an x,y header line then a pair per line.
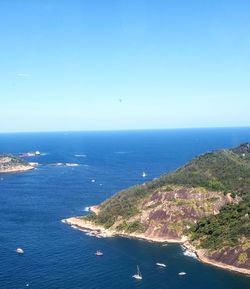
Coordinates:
x,y
144,175
182,273
71,165
137,276
19,251
98,253
161,265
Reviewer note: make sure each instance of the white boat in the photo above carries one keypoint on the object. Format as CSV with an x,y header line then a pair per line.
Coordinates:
x,y
71,165
161,265
144,175
182,273
19,251
138,276
98,253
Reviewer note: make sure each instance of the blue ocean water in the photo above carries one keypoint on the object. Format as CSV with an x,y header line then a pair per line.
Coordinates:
x,y
57,256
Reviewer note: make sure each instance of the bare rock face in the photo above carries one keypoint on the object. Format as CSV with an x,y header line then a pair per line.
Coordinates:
x,y
169,212
214,185
237,256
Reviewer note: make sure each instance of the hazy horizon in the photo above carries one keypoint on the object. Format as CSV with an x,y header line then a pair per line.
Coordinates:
x,y
125,130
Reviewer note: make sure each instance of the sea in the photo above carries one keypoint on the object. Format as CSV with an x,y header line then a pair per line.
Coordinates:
x,y
33,203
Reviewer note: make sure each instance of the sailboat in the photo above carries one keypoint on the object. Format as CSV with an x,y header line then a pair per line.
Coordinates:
x,y
138,276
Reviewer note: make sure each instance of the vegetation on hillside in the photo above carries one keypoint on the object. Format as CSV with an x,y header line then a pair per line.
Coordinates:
x,y
226,171
229,228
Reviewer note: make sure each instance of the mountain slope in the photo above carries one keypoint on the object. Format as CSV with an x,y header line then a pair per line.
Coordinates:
x,y
223,172
207,202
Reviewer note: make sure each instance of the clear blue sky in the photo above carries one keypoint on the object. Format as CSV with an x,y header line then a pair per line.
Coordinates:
x,y
96,65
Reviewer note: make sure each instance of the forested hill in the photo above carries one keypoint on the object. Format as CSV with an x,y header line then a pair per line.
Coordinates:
x,y
226,171
207,201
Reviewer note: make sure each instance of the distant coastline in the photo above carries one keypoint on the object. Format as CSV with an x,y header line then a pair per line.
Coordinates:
x,y
17,169
12,164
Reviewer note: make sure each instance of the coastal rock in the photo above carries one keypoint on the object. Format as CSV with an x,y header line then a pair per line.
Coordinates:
x,y
10,163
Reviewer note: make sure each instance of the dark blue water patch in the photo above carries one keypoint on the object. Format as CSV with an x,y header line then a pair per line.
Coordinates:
x,y
57,256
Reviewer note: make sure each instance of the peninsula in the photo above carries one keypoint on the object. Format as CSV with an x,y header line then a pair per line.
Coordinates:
x,y
204,205
11,164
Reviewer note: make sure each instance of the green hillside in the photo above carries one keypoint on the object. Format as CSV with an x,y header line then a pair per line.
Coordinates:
x,y
207,200
226,170
231,227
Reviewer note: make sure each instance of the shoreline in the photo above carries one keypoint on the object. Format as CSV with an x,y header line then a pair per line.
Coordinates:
x,y
201,256
98,230
17,169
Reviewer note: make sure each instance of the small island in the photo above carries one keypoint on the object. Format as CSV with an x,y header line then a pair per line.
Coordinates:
x,y
12,164
204,205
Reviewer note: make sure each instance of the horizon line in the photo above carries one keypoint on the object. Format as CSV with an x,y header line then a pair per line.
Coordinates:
x,y
124,130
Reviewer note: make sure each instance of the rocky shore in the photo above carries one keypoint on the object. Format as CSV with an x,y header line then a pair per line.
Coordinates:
x,y
17,169
99,231
207,200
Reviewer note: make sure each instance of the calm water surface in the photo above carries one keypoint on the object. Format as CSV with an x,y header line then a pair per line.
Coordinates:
x,y
57,256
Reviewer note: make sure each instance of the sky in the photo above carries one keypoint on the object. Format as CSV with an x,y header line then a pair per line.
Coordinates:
x,y
123,64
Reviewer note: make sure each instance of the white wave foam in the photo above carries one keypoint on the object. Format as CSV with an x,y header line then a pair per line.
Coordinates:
x,y
86,209
74,227
190,254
